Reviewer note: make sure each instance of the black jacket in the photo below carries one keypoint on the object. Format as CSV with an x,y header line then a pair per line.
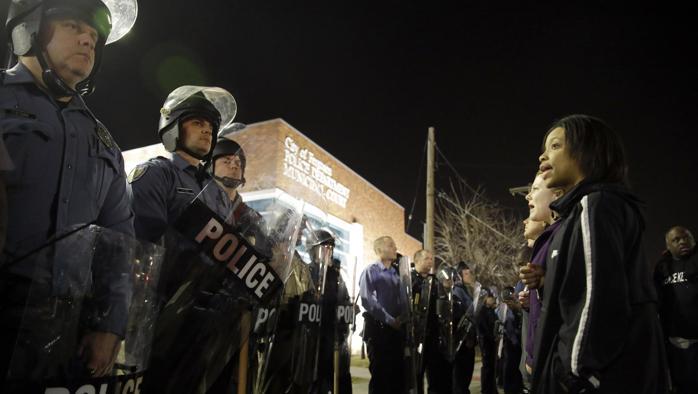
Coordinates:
x,y
599,325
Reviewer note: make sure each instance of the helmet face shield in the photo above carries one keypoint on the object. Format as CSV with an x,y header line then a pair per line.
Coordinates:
x,y
123,17
322,254
111,18
212,98
98,17
186,101
26,18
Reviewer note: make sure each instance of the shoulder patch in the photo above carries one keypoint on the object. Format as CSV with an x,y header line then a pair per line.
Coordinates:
x,y
104,136
137,173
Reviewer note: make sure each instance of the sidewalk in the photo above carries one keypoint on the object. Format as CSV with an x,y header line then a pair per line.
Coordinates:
x,y
360,377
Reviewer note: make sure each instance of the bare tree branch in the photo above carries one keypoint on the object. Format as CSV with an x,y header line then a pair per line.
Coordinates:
x,y
470,228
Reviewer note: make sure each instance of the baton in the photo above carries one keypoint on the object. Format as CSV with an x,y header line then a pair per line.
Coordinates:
x,y
244,350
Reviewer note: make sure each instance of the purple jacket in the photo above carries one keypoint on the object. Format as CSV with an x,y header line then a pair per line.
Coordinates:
x,y
540,251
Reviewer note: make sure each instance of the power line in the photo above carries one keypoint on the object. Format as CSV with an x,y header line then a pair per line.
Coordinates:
x,y
443,196
458,175
416,189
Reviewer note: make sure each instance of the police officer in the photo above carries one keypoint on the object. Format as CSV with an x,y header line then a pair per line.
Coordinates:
x,y
512,380
228,163
433,362
163,188
486,324
464,361
288,366
68,169
321,248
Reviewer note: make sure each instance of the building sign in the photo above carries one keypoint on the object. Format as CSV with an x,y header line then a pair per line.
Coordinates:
x,y
302,166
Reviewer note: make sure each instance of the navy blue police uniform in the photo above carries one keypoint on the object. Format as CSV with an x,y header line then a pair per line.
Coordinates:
x,y
67,171
164,188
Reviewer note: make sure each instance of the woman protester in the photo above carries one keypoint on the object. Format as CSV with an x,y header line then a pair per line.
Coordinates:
x,y
539,199
598,331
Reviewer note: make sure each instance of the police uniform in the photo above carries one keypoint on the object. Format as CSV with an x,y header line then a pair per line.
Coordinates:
x,y
464,362
164,188
335,293
433,363
68,171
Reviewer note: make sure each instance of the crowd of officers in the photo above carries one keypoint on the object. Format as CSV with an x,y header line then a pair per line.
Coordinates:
x,y
450,315
584,317
62,176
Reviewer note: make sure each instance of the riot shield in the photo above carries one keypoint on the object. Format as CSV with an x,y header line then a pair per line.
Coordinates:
x,y
88,320
407,319
217,276
467,323
344,323
288,342
501,312
444,311
421,306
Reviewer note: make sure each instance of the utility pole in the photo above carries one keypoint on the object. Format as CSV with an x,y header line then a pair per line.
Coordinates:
x,y
429,233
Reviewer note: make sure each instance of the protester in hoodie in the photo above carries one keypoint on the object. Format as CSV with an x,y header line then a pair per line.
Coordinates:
x,y
676,278
598,331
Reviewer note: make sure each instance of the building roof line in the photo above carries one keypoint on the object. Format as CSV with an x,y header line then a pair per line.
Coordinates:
x,y
331,156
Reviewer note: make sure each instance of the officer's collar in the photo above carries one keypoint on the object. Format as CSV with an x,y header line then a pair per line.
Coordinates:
x,y
180,163
20,74
183,165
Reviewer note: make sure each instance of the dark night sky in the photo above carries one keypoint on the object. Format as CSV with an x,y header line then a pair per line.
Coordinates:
x,y
365,79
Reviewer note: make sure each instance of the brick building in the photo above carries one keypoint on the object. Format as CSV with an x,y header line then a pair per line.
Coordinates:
x,y
285,165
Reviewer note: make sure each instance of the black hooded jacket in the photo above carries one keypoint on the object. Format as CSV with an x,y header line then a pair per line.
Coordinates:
x,y
599,328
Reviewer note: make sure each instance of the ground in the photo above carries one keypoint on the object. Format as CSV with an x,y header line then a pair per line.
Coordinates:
x,y
360,376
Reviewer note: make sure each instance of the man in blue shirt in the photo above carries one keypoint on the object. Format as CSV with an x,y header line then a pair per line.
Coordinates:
x,y
379,287
67,168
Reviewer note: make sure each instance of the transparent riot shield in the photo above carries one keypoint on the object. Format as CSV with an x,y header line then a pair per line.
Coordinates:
x,y
343,273
88,320
501,312
465,328
444,310
407,319
288,342
421,307
217,274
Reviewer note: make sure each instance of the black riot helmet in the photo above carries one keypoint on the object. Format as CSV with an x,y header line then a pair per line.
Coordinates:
x,y
214,104
320,237
26,20
227,147
320,245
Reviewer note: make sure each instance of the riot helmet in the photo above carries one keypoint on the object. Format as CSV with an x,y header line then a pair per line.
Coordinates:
x,y
320,245
26,20
227,147
214,104
508,293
